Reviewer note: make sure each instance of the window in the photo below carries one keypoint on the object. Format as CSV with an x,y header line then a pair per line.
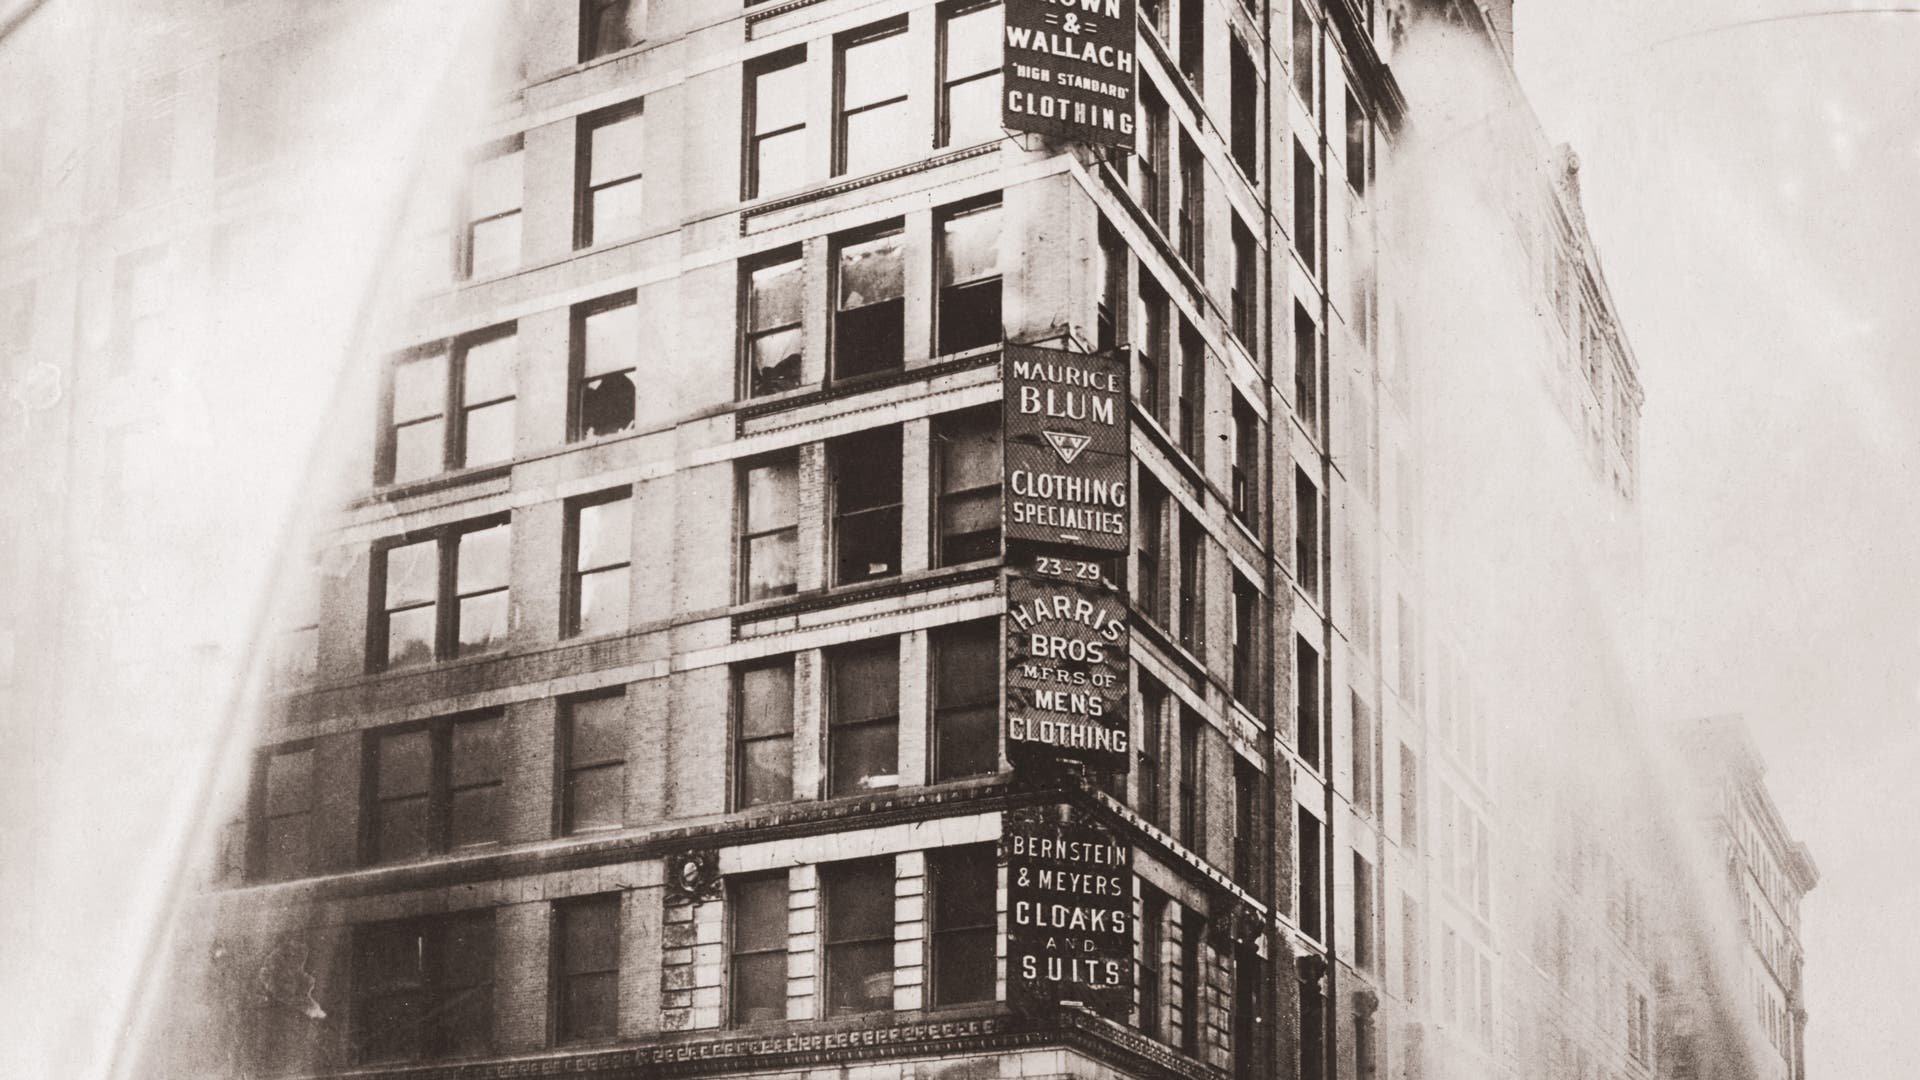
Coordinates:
x,y
1306,370
866,505
1193,392
966,700
478,376
863,717
1246,462
1313,1031
1357,142
757,907
144,308
1193,933
1193,42
964,881
600,528
1306,54
491,239
593,755
1413,948
1306,208
1308,849
1193,584
1151,390
970,73
296,652
1363,950
147,139
776,100
1246,841
763,726
1153,947
1306,534
434,787
1409,798
423,989
967,455
1193,768
1190,224
606,359
1245,300
774,299
858,935
1306,701
612,151
1151,157
1110,310
282,841
442,595
875,70
1150,589
1408,649
1147,752
1244,122
1246,642
769,528
869,323
1364,788
969,303
1249,981
586,968
610,26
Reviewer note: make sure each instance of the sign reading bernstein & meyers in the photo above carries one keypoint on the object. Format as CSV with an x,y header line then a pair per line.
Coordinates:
x,y
1068,70
1069,912
1066,674
1066,448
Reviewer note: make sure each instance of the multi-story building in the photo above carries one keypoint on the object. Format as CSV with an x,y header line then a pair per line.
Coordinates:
x,y
641,707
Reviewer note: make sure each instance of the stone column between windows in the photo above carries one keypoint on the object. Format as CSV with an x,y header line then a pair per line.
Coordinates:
x,y
336,802
538,535
547,199
914,724
532,743
1000,932
916,497
920,247
910,930
813,509
642,940
344,600
809,723
542,379
521,933
691,963
803,941
697,772
655,505
649,751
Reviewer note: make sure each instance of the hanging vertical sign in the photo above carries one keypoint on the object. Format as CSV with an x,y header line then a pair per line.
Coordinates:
x,y
1069,912
1066,675
1068,70
1065,419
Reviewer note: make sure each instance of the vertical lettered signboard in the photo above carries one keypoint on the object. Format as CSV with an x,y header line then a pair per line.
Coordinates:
x,y
1069,913
1068,70
1067,481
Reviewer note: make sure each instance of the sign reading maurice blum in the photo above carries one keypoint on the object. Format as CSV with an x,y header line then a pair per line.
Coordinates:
x,y
1069,912
1068,69
1065,418
1066,674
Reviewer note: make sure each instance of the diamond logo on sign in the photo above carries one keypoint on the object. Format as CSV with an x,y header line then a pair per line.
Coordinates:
x,y
1067,444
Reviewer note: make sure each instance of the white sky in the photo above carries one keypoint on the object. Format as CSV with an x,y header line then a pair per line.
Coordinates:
x,y
1751,190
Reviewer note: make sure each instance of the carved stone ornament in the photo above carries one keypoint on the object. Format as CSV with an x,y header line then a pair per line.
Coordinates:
x,y
693,877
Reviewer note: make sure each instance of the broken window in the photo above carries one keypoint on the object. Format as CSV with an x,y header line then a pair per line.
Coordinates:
x,y
1245,301
869,326
967,456
763,727
776,102
612,148
769,528
863,717
606,344
968,309
610,26
601,527
774,300
866,505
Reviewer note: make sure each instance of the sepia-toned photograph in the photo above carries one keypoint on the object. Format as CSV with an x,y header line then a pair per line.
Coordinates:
x,y
959,539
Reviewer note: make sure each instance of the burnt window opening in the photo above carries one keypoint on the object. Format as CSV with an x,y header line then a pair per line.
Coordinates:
x,y
1150,587
1306,701
281,842
874,70
1193,935
586,967
1307,848
1149,750
1358,143
1306,370
1248,434
966,700
423,989
1365,790
1191,615
1192,406
967,455
1151,357
1244,119
606,348
1246,841
1111,308
1306,208
1193,42
775,298
1363,931
1193,771
857,932
434,788
776,103
769,528
593,756
763,733
1306,534
869,323
757,973
968,310
1153,947
1190,224
1245,301
863,717
440,596
962,923
610,26
1306,54
612,154
599,561
970,63
1246,643
865,468
1151,157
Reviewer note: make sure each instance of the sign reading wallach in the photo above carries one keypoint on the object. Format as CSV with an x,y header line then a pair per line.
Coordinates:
x,y
1066,674
1069,912
1065,418
1068,70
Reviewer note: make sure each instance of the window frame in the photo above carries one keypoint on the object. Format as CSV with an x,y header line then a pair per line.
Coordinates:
x,y
944,77
575,574
844,43
567,768
736,911
436,937
751,334
752,178
949,429
949,295
447,595
577,377
438,823
500,148
585,227
978,935
844,938
737,677
837,334
562,961
837,726
589,27
984,712
839,450
261,820
748,535
455,411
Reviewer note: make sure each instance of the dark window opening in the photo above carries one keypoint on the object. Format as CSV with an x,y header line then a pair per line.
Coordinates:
x,y
1193,584
1151,388
1306,370
281,845
1357,146
609,26
1193,770
1306,534
1307,846
1306,208
758,976
1110,310
606,347
1193,44
774,339
1190,225
858,936
1306,701
866,505
1192,407
967,455
477,377
1150,588
423,989
963,923
586,1005
434,788
1247,432
869,328
1245,301
966,700
863,717
1153,946
1246,841
1246,643
1244,121
1151,157
1363,949
1193,934
1148,751
969,302
593,755
763,722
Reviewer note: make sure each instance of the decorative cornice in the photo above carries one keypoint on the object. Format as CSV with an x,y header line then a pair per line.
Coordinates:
x,y
846,597
753,410
830,190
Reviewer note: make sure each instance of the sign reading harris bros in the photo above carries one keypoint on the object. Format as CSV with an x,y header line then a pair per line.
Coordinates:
x,y
1068,70
1065,418
1066,674
1069,912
